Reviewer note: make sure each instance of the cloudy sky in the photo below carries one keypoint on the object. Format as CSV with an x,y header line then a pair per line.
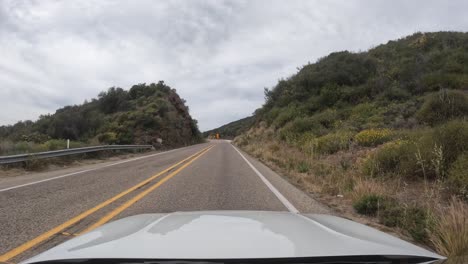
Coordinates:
x,y
219,55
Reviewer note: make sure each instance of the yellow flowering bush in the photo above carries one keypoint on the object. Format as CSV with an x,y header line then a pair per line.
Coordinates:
x,y
373,137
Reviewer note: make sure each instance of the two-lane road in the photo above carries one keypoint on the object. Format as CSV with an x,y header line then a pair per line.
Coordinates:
x,y
39,211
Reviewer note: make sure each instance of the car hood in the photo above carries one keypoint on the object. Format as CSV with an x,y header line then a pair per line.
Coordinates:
x,y
231,235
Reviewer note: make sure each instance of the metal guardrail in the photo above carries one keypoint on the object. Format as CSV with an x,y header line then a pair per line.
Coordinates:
x,y
66,152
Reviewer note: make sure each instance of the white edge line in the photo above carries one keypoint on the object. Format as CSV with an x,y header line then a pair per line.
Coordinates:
x,y
88,170
272,188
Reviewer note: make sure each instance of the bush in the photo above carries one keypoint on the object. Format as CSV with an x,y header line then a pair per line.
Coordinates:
x,y
287,114
457,179
108,138
416,222
303,124
412,219
56,144
303,167
394,157
442,106
392,214
453,139
368,204
366,115
426,154
332,143
373,137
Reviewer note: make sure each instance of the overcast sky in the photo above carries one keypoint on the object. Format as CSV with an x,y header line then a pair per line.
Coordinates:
x,y
219,55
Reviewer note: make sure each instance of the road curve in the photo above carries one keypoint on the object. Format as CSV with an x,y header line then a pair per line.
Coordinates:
x,y
210,176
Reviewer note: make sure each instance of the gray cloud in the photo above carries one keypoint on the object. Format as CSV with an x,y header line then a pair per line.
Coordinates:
x,y
218,54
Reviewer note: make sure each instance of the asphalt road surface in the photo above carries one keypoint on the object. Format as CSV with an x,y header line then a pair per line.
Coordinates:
x,y
40,210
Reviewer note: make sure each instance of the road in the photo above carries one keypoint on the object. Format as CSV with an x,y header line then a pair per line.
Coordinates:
x,y
40,210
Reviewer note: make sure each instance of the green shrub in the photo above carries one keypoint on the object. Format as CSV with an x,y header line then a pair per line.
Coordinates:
x,y
453,138
442,106
332,143
325,119
416,222
56,144
286,134
365,116
303,167
413,219
303,124
373,137
394,157
286,114
457,179
424,154
108,138
392,214
368,204
23,147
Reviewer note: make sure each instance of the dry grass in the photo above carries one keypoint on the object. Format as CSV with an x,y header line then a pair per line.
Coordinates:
x,y
450,235
337,181
365,186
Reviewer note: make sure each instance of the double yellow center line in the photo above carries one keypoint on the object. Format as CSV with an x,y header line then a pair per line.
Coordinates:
x,y
41,238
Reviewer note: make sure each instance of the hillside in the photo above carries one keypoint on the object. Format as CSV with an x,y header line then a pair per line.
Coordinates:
x,y
231,130
380,135
140,115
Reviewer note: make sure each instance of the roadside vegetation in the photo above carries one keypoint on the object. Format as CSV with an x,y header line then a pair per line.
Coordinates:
x,y
380,136
146,114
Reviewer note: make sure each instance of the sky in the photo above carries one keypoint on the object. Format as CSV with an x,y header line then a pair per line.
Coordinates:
x,y
218,55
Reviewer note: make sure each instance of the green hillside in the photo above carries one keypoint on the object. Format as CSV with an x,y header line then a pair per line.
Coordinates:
x,y
231,130
140,115
385,129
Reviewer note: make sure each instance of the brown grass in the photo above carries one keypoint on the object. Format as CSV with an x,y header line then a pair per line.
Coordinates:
x,y
450,235
337,181
365,186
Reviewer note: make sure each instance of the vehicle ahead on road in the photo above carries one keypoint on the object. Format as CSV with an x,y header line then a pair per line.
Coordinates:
x,y
235,237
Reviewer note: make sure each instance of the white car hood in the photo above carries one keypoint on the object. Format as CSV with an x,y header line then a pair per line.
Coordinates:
x,y
231,235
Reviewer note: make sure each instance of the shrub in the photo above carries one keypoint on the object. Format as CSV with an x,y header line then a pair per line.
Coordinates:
x,y
393,157
416,222
368,204
303,167
325,119
108,138
392,214
23,147
453,138
427,154
442,106
286,114
366,115
332,143
34,164
303,124
457,179
373,137
56,144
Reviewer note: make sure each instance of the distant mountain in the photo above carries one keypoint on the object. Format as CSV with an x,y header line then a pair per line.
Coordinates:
x,y
141,115
231,130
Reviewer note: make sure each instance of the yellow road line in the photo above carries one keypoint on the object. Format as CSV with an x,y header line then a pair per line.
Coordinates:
x,y
41,238
138,197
